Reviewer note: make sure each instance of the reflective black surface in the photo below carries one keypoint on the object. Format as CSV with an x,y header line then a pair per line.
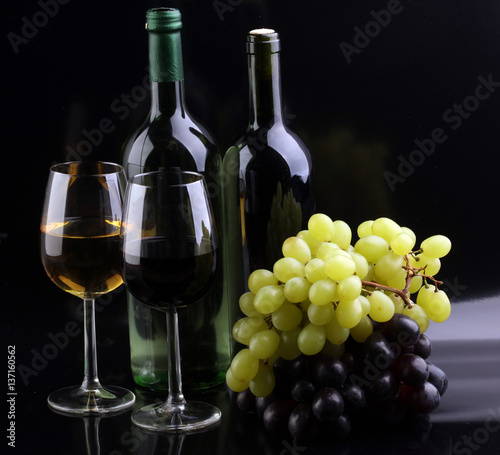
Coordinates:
x,y
73,86
49,351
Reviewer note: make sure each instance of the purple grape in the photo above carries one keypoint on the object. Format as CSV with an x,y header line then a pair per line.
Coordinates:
x,y
246,401
261,403
302,424
423,347
402,330
438,378
411,369
378,352
303,390
328,371
350,360
354,397
333,432
327,404
276,416
423,399
287,371
383,389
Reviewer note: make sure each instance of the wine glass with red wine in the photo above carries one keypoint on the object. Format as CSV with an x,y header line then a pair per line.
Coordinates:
x,y
170,260
80,250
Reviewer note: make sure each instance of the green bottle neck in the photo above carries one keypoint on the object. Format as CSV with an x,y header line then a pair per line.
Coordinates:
x,y
166,72
264,74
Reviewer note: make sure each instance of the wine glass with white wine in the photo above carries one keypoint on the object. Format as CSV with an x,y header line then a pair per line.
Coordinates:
x,y
80,250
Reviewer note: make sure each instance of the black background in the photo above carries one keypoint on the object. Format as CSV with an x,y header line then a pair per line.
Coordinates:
x,y
73,71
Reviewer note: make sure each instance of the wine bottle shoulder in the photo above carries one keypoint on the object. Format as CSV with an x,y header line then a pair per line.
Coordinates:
x,y
178,141
269,149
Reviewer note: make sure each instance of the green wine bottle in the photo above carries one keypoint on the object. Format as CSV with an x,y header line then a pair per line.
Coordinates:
x,y
171,138
270,194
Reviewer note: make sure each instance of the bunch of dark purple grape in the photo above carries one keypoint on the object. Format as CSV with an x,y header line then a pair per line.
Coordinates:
x,y
386,379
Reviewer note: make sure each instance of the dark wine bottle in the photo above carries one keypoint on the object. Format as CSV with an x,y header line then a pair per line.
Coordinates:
x,y
268,182
171,138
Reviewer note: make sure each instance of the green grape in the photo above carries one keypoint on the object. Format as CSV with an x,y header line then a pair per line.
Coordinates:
x,y
381,306
408,231
312,242
321,227
398,302
247,327
436,246
386,228
424,295
398,281
263,382
419,315
361,331
269,299
297,248
288,347
388,266
361,264
370,276
349,288
297,289
305,305
260,278
365,305
234,384
339,252
432,265
246,304
372,247
326,249
287,316
323,292
338,267
314,270
244,366
349,313
438,307
416,284
320,315
235,330
286,268
341,234
365,228
402,243
311,339
264,344
417,261
335,333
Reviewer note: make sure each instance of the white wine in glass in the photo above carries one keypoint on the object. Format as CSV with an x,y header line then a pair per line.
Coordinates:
x,y
80,250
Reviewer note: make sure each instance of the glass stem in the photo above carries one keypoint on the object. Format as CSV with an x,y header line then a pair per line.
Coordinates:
x,y
90,379
175,396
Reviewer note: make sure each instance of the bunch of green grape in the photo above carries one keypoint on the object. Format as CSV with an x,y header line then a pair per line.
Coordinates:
x,y
325,289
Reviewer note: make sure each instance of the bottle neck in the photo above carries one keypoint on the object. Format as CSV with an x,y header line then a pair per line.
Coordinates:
x,y
167,98
265,89
166,73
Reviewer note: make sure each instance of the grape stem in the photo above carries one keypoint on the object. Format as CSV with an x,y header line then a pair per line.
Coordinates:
x,y
411,272
404,295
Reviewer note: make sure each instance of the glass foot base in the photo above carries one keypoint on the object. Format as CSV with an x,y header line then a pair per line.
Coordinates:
x,y
76,400
189,417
